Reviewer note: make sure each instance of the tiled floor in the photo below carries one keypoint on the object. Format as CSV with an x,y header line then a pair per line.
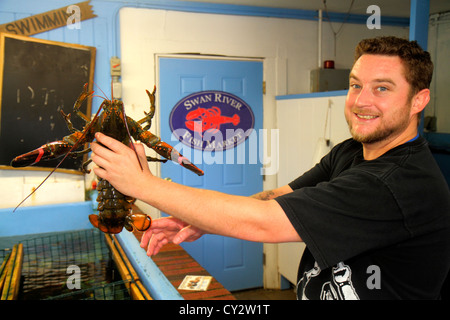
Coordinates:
x,y
265,294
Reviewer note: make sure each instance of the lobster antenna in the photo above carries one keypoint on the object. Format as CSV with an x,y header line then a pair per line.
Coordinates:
x,y
131,141
126,126
129,135
86,129
104,94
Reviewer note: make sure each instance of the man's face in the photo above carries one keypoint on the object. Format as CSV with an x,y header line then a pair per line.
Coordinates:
x,y
377,105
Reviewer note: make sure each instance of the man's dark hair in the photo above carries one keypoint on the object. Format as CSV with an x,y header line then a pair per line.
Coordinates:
x,y
417,62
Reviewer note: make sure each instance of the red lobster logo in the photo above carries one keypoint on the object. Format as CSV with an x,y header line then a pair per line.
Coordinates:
x,y
209,118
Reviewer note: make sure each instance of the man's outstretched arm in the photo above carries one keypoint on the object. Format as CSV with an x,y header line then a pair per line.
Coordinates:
x,y
211,211
171,229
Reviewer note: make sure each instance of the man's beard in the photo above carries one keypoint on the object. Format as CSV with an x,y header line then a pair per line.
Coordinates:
x,y
374,137
380,134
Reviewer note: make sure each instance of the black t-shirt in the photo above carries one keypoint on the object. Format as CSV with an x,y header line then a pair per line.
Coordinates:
x,y
376,229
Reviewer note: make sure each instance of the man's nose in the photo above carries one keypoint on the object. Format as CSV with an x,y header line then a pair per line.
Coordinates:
x,y
364,98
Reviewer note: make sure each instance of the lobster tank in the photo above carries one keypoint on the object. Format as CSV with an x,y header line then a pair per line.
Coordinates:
x,y
58,236
48,262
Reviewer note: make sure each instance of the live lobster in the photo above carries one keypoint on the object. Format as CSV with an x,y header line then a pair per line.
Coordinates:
x,y
114,208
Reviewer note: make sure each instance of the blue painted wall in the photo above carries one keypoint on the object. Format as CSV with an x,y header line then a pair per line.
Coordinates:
x,y
100,32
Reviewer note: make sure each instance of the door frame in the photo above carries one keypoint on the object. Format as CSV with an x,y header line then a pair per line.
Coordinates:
x,y
272,279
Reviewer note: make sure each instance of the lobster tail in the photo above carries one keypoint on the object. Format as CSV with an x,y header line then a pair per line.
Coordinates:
x,y
114,211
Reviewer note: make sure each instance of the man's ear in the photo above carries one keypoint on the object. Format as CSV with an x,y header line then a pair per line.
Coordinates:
x,y
420,100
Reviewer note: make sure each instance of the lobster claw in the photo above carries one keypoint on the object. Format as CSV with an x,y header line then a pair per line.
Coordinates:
x,y
51,150
45,152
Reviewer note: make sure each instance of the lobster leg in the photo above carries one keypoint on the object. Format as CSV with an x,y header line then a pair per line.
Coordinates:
x,y
85,164
153,159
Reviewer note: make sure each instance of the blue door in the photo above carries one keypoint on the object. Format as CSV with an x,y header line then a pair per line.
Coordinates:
x,y
237,264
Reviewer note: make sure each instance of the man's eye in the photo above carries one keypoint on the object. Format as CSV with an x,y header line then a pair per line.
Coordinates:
x,y
382,89
355,86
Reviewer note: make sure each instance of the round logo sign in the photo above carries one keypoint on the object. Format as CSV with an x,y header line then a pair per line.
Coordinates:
x,y
211,120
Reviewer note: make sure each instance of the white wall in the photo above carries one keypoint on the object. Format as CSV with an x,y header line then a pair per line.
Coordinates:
x,y
305,123
61,187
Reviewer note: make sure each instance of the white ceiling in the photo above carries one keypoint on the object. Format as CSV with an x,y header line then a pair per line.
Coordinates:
x,y
397,8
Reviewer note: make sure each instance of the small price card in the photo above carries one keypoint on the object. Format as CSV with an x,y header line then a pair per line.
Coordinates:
x,y
197,283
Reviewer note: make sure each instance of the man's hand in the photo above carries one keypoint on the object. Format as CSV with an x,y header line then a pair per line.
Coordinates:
x,y
165,230
118,164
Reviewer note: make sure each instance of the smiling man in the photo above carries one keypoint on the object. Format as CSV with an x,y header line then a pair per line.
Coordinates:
x,y
374,213
377,83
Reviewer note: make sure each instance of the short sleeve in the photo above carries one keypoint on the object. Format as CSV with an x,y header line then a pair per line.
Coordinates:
x,y
312,177
330,165
345,217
